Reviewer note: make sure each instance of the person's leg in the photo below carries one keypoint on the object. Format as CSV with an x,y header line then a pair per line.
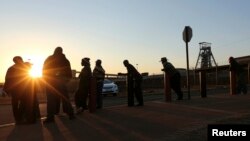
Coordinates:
x,y
51,107
32,105
99,101
36,107
175,83
242,87
85,95
138,93
15,109
57,105
27,103
77,99
130,92
67,106
66,103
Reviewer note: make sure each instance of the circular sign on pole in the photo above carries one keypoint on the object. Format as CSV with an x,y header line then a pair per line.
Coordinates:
x,y
187,34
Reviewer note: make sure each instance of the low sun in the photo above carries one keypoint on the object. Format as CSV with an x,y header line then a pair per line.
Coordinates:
x,y
36,71
36,68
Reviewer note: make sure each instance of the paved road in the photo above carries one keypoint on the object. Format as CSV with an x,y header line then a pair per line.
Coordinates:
x,y
185,120
109,101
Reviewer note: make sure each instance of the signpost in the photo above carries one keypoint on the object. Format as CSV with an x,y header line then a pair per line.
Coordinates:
x,y
187,35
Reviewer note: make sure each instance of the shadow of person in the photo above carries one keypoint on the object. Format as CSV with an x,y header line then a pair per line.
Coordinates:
x,y
53,132
30,132
80,129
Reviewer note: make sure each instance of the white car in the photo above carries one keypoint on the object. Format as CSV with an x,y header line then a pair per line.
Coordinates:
x,y
109,87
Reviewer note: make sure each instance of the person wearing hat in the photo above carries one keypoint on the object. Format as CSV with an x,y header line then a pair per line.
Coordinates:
x,y
134,80
174,77
57,73
99,74
238,69
83,90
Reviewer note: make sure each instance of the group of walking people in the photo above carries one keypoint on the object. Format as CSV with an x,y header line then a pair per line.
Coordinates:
x,y
57,73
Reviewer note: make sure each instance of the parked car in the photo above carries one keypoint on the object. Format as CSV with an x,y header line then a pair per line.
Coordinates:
x,y
109,87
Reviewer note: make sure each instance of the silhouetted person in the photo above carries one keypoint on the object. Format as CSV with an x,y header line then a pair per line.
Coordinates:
x,y
30,101
238,69
83,90
13,86
57,73
174,77
134,80
99,74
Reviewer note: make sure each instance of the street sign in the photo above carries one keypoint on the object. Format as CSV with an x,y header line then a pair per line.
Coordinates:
x,y
187,34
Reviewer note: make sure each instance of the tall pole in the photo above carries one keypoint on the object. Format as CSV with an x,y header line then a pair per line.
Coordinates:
x,y
188,86
187,35
248,72
167,89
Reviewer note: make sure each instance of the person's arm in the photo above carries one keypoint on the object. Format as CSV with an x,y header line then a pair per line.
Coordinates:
x,y
164,68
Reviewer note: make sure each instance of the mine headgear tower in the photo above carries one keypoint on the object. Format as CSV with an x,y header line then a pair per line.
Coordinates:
x,y
205,58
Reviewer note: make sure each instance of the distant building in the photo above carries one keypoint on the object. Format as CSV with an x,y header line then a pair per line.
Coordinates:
x,y
243,59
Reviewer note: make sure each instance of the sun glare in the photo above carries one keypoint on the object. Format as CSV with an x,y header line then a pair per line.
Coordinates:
x,y
36,68
36,71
